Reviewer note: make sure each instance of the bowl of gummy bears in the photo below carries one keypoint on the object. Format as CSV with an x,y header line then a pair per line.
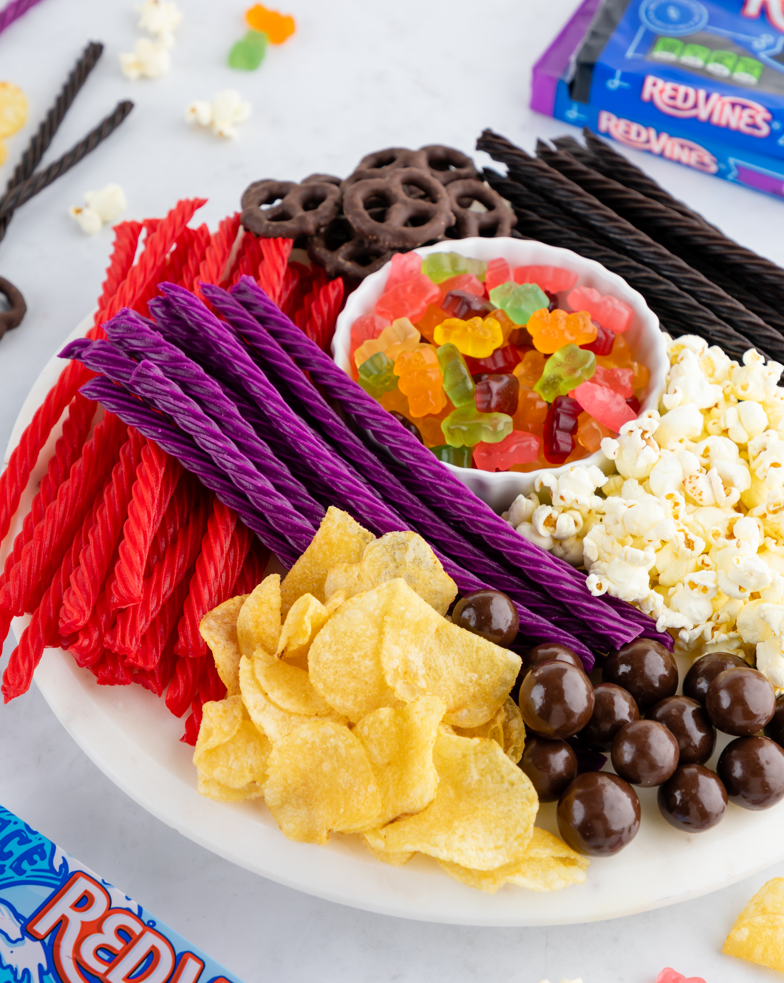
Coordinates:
x,y
506,357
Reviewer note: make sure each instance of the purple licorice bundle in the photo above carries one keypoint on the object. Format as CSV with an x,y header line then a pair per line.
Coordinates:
x,y
149,423
195,327
268,352
137,338
434,483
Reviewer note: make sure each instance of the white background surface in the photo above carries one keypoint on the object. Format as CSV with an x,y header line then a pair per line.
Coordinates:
x,y
358,76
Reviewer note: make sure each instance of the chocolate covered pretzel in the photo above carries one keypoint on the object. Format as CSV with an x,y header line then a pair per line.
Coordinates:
x,y
11,318
289,210
341,252
408,221
497,219
447,164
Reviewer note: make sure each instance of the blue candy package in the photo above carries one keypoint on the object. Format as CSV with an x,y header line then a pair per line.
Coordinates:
x,y
61,923
699,82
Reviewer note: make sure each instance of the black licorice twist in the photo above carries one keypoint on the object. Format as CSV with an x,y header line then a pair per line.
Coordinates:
x,y
559,189
25,191
678,311
657,220
44,135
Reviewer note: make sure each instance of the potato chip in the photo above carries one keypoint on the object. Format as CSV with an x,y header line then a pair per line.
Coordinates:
x,y
271,719
288,686
397,554
345,658
218,628
387,856
547,865
399,746
423,653
306,617
230,754
483,813
320,780
258,625
758,932
339,539
506,728
13,109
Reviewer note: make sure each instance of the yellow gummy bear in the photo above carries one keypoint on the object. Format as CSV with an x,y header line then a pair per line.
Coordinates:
x,y
275,25
13,109
399,336
552,330
476,338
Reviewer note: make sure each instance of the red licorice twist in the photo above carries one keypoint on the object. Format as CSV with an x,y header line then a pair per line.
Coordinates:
x,y
110,670
185,682
215,266
156,680
275,256
211,688
253,568
126,241
174,519
310,289
249,256
196,256
324,310
163,625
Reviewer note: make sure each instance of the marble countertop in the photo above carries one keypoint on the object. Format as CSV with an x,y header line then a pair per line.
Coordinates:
x,y
357,76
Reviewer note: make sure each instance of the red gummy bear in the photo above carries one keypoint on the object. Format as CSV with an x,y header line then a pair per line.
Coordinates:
x,y
603,343
550,278
560,429
408,299
463,281
671,976
502,360
619,380
402,267
519,447
611,313
498,272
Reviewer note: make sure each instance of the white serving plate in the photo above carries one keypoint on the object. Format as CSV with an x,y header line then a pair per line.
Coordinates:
x,y
134,740
645,338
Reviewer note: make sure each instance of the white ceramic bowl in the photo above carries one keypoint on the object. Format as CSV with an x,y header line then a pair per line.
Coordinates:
x,y
500,488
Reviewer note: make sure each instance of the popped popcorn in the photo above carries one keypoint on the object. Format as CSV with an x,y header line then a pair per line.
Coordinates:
x,y
221,115
159,18
690,528
149,59
102,206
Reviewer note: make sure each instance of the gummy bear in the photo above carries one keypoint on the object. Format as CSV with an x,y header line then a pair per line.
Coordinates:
x,y
408,299
521,338
466,426
459,456
508,329
442,266
432,317
549,278
619,380
518,447
394,401
420,380
406,424
604,405
669,975
590,433
248,53
519,300
641,375
564,371
552,330
502,360
530,369
611,313
458,384
464,281
430,426
376,375
476,337
560,428
276,26
498,272
402,267
366,328
399,336
497,394
459,303
603,343
531,411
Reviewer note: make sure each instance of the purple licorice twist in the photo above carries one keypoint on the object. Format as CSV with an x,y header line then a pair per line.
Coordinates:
x,y
430,525
136,338
174,442
435,483
191,323
145,380
13,11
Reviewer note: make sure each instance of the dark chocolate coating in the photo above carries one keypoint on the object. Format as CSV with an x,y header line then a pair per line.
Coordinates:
x,y
488,613
613,708
690,724
705,670
598,814
406,424
693,799
645,753
556,700
645,668
752,769
741,701
549,652
775,727
551,766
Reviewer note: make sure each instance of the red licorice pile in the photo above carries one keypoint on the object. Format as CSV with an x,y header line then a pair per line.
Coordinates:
x,y
122,552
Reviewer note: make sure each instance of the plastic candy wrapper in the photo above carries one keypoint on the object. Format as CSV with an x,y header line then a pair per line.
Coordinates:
x,y
699,82
64,923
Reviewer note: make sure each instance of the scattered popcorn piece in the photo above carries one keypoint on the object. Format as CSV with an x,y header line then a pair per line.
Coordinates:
x,y
150,59
159,18
102,206
221,115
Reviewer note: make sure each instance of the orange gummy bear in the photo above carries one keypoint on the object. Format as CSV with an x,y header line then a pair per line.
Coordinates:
x,y
430,320
275,25
552,330
531,411
590,433
420,380
529,370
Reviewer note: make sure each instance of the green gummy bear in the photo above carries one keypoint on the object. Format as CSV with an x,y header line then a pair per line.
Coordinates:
x,y
466,426
519,300
443,266
458,384
461,457
564,371
248,53
376,375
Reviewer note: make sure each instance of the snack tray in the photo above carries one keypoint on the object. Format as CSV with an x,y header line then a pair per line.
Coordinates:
x,y
130,735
